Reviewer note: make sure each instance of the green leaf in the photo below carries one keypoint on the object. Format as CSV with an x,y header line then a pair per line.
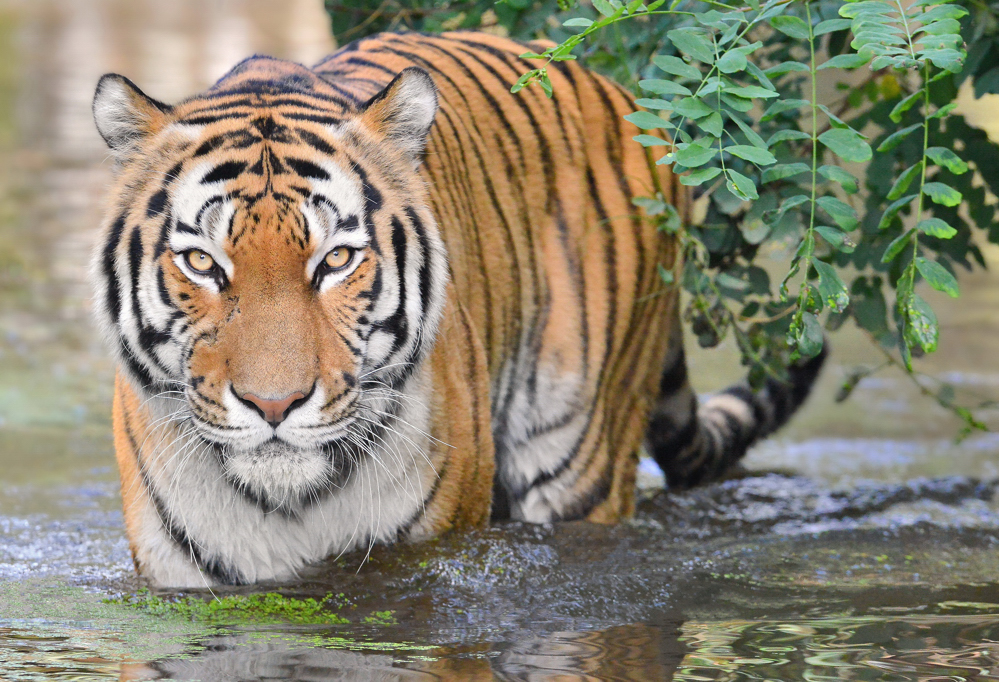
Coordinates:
x,y
938,277
904,180
942,194
676,66
711,124
942,27
895,139
604,7
830,25
788,134
787,205
834,120
650,141
893,210
665,275
841,212
791,26
651,206
694,42
935,227
545,82
944,110
699,176
692,108
737,103
846,144
645,120
754,154
846,61
694,155
523,81
729,282
785,68
732,61
784,170
949,60
904,106
657,104
578,21
751,92
896,247
836,238
663,87
831,287
741,186
751,135
755,71
921,327
837,174
948,159
942,12
808,337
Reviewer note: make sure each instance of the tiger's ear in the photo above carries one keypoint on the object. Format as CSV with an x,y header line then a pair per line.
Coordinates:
x,y
404,111
125,115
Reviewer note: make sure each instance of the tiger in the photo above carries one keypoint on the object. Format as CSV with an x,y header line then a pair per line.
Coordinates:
x,y
384,298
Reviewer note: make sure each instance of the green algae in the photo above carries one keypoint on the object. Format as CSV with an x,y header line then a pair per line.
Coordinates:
x,y
265,608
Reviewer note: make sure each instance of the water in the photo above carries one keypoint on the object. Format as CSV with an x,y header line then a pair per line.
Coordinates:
x,y
861,544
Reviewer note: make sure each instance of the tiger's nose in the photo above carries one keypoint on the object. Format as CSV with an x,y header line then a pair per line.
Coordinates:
x,y
273,410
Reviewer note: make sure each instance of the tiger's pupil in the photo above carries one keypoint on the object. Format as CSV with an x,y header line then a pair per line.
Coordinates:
x,y
338,257
200,261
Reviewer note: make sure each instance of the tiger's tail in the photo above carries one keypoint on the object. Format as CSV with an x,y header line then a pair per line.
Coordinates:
x,y
696,444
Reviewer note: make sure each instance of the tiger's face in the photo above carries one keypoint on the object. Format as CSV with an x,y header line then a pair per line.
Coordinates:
x,y
271,274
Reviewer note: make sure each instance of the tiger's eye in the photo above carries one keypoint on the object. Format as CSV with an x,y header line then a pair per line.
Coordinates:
x,y
200,261
339,257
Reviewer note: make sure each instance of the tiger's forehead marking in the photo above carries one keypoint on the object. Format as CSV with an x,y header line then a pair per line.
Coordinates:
x,y
307,199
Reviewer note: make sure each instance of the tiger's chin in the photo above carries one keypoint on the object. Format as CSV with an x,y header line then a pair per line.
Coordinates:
x,y
279,477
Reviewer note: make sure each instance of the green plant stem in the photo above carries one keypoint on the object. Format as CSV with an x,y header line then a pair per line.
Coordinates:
x,y
808,244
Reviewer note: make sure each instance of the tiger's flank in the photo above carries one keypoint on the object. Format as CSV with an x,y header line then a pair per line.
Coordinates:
x,y
383,298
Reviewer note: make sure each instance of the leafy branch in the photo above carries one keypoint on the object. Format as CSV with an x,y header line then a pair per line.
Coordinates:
x,y
707,109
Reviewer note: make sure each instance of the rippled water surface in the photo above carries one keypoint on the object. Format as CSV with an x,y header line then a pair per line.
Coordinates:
x,y
863,543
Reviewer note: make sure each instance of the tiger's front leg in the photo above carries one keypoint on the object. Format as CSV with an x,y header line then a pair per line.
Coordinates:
x,y
462,450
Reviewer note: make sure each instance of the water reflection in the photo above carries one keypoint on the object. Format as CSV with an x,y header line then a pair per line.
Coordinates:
x,y
628,652
913,647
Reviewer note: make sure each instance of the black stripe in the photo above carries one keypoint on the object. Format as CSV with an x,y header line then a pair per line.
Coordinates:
x,y
156,204
307,169
230,170
108,267
397,323
358,61
421,235
315,141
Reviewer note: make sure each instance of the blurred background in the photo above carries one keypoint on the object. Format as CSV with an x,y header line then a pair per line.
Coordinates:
x,y
59,502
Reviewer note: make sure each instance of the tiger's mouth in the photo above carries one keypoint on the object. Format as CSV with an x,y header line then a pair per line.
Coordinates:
x,y
277,476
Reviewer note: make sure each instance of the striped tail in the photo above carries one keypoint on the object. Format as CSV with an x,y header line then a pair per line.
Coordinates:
x,y
697,444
